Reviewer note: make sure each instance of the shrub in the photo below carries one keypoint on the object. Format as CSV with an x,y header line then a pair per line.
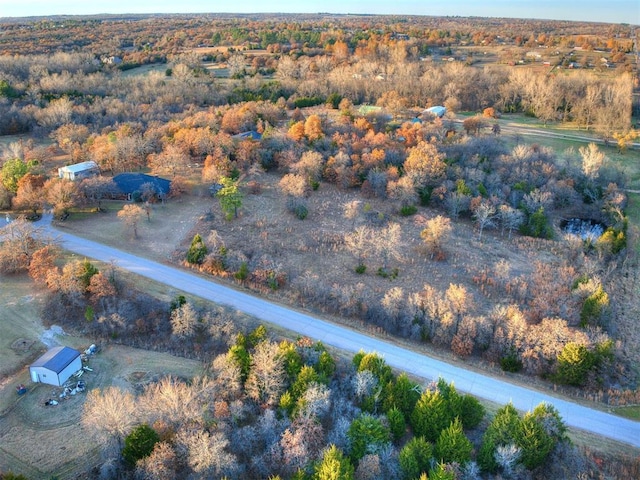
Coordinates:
x,y
537,226
574,363
397,423
500,432
511,362
452,445
415,457
326,367
384,273
197,250
334,100
425,195
594,308
613,240
303,102
243,272
361,268
408,210
139,444
367,434
177,302
534,441
298,207
471,411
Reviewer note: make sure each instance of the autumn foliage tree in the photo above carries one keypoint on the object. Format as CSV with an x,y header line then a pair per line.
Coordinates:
x,y
62,194
30,193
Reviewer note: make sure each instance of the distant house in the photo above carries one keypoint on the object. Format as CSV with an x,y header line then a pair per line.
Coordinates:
x,y
369,109
250,135
130,183
56,366
437,111
111,60
78,171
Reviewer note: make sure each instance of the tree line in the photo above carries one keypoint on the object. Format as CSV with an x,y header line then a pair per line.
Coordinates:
x,y
283,409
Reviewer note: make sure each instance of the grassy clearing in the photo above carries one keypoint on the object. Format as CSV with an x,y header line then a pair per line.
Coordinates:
x,y
20,326
168,226
632,413
145,69
603,446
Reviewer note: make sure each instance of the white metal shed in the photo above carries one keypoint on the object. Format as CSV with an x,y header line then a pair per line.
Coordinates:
x,y
78,171
56,366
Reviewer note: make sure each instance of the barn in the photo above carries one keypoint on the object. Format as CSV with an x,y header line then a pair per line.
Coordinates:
x,y
56,366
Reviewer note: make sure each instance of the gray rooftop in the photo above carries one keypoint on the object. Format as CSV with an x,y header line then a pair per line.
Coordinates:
x,y
57,359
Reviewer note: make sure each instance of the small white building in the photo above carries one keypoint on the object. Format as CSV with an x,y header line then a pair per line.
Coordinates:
x,y
56,366
437,111
78,171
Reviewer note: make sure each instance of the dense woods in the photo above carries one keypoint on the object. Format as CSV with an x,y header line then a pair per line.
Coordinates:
x,y
418,205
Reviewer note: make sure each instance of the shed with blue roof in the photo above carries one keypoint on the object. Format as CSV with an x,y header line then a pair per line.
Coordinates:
x,y
56,366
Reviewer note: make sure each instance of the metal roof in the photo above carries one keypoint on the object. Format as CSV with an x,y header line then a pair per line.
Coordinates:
x,y
250,135
79,167
438,110
57,359
130,182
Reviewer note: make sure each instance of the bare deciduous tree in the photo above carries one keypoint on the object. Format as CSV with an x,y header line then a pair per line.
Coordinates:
x,y
484,215
294,185
62,194
510,219
206,453
309,166
592,160
386,244
266,380
425,165
111,412
162,464
131,215
352,210
184,321
19,243
437,232
358,243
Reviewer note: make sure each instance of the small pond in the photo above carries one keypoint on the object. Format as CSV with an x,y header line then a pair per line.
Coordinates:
x,y
586,229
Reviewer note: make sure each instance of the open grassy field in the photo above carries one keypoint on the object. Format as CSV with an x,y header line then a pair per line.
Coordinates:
x,y
20,326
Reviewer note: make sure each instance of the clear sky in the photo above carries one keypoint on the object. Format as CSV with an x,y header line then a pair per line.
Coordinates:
x,y
613,11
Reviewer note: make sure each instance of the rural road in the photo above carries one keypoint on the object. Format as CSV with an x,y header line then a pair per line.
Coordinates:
x,y
417,364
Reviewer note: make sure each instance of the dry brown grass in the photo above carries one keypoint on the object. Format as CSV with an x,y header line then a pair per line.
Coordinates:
x,y
20,325
168,226
265,227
